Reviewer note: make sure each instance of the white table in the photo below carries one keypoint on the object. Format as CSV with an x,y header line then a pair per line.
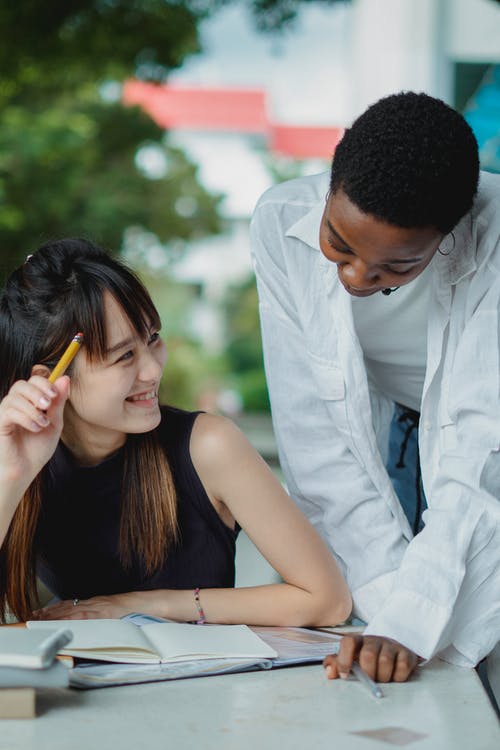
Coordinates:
x,y
287,709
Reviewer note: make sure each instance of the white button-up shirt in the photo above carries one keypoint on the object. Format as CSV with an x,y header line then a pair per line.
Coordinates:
x,y
440,591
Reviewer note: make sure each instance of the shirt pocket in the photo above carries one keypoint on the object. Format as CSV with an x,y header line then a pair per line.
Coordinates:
x,y
328,378
448,440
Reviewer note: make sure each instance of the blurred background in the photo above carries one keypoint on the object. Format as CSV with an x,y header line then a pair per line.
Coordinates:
x,y
152,127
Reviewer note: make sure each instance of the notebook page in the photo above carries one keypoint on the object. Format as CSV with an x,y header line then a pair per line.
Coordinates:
x,y
116,638
182,642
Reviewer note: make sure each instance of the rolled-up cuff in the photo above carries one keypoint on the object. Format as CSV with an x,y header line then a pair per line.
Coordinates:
x,y
413,621
371,597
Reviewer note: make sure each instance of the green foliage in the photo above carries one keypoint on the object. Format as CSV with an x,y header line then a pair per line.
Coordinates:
x,y
66,154
63,43
278,15
244,348
190,370
68,169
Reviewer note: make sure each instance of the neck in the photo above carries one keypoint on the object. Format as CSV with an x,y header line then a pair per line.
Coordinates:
x,y
91,447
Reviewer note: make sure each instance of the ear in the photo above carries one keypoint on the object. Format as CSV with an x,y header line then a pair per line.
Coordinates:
x,y
41,370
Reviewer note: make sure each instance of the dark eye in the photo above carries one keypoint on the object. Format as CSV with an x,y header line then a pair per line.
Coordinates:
x,y
344,250
398,273
126,356
154,337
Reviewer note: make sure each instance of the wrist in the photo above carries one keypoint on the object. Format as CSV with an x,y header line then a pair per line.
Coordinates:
x,y
10,497
201,619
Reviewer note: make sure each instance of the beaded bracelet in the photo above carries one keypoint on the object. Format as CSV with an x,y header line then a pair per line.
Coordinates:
x,y
201,618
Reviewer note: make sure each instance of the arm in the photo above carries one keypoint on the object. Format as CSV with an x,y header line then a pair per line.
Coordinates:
x,y
242,488
324,475
31,419
448,586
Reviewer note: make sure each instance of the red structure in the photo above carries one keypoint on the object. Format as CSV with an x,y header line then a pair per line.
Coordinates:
x,y
235,110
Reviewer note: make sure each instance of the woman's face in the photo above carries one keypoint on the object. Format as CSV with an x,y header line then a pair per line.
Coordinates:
x,y
117,395
370,254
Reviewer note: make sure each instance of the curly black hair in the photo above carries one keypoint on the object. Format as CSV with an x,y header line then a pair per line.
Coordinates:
x,y
409,160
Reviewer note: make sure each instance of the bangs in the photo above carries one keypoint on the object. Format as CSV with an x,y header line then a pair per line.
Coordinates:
x,y
81,308
130,294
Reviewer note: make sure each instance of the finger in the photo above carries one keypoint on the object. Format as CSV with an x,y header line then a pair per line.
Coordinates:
x,y
349,647
14,417
386,662
406,662
29,399
38,391
53,611
331,667
368,656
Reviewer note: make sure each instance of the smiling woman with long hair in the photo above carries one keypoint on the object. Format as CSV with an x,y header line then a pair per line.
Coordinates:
x,y
117,503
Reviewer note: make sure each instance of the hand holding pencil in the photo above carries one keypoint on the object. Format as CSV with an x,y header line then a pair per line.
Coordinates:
x,y
380,659
31,421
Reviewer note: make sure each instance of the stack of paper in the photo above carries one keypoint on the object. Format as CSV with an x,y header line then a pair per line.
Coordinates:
x,y
27,662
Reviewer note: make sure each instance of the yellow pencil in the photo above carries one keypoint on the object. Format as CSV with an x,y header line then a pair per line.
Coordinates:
x,y
66,358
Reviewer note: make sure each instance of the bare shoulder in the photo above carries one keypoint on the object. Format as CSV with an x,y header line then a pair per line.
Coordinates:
x,y
222,457
215,440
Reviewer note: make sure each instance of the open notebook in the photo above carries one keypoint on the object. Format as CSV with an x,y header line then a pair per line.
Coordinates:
x,y
158,643
289,646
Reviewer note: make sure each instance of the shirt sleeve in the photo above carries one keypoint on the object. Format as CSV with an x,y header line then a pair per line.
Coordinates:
x,y
448,585
322,474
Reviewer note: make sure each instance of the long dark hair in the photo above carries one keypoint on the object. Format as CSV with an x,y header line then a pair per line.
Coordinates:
x,y
59,290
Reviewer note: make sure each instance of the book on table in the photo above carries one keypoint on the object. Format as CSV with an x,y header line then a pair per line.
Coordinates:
x,y
278,647
53,676
31,649
158,642
27,662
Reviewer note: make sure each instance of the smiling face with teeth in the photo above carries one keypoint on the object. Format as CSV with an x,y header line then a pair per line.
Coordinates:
x,y
116,395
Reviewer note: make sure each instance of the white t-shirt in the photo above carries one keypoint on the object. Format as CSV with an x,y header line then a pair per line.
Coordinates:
x,y
392,331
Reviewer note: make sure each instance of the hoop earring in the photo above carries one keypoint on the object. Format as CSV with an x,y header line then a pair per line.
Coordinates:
x,y
451,249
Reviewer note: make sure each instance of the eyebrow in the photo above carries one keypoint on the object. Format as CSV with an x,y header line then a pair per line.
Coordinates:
x,y
391,262
120,345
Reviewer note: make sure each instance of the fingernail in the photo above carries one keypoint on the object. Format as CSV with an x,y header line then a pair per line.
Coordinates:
x,y
44,403
329,671
35,426
53,392
42,419
343,675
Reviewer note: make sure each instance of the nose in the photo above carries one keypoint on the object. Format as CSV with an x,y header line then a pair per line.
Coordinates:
x,y
359,275
151,365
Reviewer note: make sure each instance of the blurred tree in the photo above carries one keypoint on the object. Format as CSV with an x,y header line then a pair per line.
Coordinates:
x,y
78,40
278,15
244,347
69,169
67,149
66,153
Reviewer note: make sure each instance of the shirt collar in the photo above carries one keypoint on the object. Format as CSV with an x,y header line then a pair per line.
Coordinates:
x,y
307,227
458,250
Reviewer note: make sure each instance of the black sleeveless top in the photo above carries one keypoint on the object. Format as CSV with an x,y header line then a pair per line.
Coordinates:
x,y
77,533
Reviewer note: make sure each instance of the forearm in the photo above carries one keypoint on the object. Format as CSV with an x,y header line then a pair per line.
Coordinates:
x,y
10,497
451,600
274,604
